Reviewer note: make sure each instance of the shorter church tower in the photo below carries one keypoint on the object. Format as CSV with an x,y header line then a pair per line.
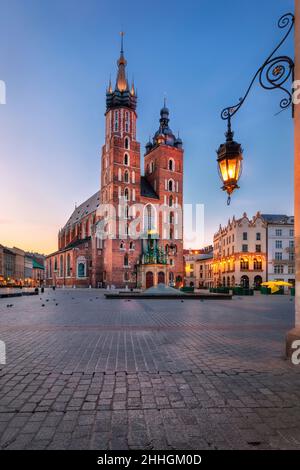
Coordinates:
x,y
164,172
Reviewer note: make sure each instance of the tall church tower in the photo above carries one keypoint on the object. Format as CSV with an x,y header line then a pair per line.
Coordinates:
x,y
120,176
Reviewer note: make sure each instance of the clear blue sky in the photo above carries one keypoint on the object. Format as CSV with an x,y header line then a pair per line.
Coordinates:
x,y
56,57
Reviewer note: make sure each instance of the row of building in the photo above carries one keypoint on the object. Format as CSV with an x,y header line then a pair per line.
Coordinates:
x,y
20,268
245,253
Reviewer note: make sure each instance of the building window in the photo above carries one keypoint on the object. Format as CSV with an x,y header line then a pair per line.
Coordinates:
x,y
244,264
126,262
61,266
131,246
122,246
278,269
278,244
171,165
291,270
171,201
245,236
291,232
149,218
171,185
126,177
126,143
126,121
68,267
126,276
116,118
126,159
278,232
81,269
55,264
258,236
291,244
126,194
257,264
244,248
278,255
258,248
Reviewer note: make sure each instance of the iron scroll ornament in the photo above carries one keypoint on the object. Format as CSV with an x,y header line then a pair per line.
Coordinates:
x,y
273,74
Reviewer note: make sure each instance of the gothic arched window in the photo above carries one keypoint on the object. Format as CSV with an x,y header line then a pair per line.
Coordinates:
x,y
61,266
126,194
171,164
126,159
171,185
149,217
116,118
68,267
126,143
126,177
171,201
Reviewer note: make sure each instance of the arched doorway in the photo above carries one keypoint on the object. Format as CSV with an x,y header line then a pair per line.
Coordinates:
x,y
161,278
257,281
245,282
149,279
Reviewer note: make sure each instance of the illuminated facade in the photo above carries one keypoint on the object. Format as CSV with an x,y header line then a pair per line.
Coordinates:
x,y
239,256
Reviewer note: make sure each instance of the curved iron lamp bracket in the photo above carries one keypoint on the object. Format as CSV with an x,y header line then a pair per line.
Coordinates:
x,y
273,73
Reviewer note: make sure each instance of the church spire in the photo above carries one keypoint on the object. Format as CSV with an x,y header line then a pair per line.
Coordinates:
x,y
121,83
122,95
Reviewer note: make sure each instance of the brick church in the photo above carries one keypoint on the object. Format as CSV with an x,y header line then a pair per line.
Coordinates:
x,y
151,203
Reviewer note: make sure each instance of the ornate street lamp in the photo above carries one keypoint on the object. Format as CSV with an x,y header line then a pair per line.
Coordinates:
x,y
273,73
230,160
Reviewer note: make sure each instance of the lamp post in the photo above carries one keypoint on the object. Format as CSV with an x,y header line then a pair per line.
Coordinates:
x,y
273,74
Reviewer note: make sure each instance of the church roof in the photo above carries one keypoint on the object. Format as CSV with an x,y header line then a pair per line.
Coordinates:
x,y
147,190
87,207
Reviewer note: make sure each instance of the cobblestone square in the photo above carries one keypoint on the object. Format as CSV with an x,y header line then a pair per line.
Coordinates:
x,y
84,372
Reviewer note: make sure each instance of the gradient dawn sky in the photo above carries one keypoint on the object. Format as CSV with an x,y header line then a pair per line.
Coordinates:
x,y
56,58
